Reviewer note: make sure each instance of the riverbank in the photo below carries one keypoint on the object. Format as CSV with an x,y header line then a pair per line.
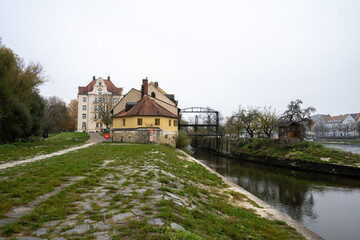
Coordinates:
x,y
115,191
300,155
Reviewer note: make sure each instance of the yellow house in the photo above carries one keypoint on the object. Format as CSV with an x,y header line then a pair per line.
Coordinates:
x,y
146,113
145,120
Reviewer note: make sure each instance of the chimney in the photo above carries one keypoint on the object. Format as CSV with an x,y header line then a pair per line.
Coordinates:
x,y
108,78
145,84
156,84
93,77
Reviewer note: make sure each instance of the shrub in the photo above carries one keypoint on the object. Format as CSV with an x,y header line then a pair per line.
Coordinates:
x,y
182,140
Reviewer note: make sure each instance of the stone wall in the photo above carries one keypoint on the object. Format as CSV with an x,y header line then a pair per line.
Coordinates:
x,y
142,135
224,146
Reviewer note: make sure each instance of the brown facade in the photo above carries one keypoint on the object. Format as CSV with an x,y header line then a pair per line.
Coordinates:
x,y
289,130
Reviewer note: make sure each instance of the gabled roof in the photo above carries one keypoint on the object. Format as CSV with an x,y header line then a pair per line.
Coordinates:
x,y
109,86
335,119
146,107
158,88
355,116
287,123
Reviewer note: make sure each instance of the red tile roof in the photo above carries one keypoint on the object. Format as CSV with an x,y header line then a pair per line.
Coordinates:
x,y
335,119
146,107
109,86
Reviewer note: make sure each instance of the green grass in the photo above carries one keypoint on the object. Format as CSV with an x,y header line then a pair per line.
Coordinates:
x,y
21,150
305,151
214,217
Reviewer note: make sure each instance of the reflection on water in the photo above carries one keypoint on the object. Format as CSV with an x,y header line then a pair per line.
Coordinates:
x,y
328,205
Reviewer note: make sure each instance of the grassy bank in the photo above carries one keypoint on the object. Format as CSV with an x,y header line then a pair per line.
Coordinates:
x,y
305,151
21,150
144,192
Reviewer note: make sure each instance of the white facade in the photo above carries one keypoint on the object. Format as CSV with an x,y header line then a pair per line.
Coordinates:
x,y
88,96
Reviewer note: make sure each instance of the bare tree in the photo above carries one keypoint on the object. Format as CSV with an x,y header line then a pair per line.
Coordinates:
x,y
268,118
56,116
103,108
234,124
320,129
300,115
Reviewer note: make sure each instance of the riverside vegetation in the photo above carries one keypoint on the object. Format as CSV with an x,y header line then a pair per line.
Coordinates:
x,y
16,151
117,191
299,150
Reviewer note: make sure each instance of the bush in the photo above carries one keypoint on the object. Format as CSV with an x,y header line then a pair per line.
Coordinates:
x,y
182,140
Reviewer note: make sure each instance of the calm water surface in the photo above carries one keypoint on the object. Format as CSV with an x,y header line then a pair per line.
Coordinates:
x,y
328,205
354,148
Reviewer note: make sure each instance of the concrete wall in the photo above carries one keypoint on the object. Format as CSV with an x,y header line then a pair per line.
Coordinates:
x,y
224,146
142,135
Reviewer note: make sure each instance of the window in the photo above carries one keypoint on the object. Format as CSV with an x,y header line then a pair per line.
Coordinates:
x,y
83,124
84,116
84,99
139,121
100,92
115,100
175,123
169,123
123,122
84,107
153,95
157,121
99,83
95,99
95,116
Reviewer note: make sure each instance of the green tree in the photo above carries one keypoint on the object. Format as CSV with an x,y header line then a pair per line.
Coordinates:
x,y
250,120
300,115
21,105
268,118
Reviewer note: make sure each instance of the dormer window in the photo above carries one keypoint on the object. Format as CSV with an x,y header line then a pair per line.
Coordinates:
x,y
99,83
100,92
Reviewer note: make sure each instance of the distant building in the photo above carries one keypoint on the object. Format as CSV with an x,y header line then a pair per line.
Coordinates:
x,y
145,116
335,126
96,91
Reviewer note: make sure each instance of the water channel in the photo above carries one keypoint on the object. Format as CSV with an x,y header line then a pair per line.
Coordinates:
x,y
328,205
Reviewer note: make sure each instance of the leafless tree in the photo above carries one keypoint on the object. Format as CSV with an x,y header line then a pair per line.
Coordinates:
x,y
103,107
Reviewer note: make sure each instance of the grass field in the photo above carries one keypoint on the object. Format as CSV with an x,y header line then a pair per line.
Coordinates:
x,y
306,151
148,184
21,150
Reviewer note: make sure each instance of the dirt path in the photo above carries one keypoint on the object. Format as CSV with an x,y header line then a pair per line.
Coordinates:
x,y
94,138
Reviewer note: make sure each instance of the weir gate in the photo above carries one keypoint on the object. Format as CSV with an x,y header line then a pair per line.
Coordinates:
x,y
208,127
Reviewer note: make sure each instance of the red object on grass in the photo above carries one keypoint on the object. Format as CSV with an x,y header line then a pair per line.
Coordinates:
x,y
106,135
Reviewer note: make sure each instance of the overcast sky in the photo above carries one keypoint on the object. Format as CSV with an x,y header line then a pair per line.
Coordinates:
x,y
208,53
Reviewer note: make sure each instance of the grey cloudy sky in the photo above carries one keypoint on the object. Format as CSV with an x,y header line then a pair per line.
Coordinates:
x,y
208,53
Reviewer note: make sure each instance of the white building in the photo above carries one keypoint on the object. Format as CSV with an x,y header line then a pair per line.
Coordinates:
x,y
335,126
94,92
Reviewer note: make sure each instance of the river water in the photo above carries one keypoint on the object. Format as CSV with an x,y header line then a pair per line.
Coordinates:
x,y
326,204
354,148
